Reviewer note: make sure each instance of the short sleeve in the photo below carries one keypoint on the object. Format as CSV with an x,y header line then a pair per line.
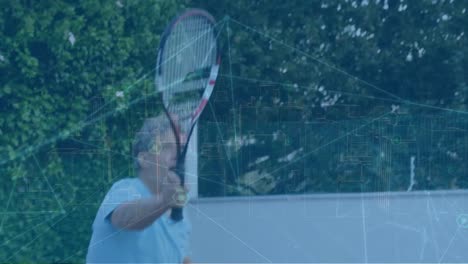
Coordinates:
x,y
185,236
122,191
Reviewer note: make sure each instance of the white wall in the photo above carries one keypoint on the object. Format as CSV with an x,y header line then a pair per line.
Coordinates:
x,y
375,227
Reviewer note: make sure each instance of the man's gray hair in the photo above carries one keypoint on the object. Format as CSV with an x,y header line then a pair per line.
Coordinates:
x,y
146,137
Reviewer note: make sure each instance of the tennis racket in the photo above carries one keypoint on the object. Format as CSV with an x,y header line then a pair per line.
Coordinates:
x,y
187,67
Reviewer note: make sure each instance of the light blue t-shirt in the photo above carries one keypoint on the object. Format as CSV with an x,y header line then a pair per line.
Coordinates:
x,y
164,241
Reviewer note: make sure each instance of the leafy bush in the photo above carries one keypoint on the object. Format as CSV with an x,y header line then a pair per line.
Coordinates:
x,y
76,81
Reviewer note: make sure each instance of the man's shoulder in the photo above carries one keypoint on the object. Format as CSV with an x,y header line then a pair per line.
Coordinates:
x,y
125,182
124,189
129,184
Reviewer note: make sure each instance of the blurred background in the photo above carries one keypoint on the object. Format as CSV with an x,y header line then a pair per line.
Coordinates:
x,y
325,96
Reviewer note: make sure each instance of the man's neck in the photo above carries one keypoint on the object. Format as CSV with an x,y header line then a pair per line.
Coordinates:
x,y
150,182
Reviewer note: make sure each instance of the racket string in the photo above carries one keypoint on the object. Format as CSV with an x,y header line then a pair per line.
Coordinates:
x,y
191,56
190,53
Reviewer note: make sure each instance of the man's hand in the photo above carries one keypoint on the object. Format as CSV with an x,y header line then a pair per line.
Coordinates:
x,y
172,193
187,260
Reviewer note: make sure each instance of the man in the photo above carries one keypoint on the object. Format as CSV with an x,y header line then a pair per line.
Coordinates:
x,y
133,224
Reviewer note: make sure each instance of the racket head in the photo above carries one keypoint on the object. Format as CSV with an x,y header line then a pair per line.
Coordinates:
x,y
186,70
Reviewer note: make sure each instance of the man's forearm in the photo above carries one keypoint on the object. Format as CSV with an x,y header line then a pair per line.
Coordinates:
x,y
138,214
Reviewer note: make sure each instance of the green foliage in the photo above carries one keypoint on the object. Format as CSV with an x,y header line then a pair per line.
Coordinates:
x,y
76,81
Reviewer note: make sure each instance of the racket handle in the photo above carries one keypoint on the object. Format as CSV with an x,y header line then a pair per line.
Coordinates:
x,y
176,214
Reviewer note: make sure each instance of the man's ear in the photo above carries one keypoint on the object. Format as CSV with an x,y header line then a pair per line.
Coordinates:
x,y
143,159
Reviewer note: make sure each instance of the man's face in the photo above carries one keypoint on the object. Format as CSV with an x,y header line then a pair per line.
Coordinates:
x,y
165,150
163,154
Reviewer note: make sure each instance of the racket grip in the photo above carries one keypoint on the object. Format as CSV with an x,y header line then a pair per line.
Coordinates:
x,y
176,214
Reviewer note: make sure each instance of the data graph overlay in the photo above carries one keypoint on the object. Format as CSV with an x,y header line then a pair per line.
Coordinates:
x,y
389,152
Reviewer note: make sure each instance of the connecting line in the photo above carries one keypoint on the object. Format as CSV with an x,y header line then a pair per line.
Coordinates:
x,y
412,180
231,234
228,29
364,230
48,184
401,100
306,87
222,139
8,204
435,107
351,94
450,244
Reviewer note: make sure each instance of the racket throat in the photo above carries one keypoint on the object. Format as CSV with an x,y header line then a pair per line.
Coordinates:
x,y
180,171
